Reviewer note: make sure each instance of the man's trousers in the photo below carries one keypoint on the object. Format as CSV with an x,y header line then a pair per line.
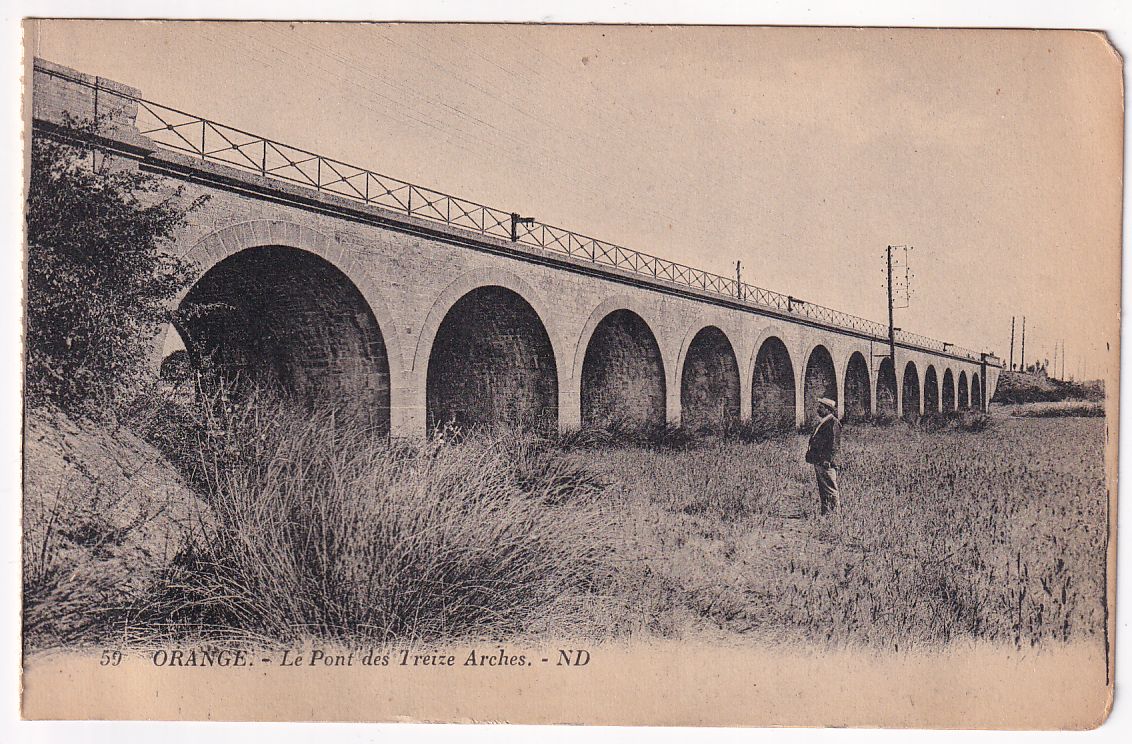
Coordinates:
x,y
828,495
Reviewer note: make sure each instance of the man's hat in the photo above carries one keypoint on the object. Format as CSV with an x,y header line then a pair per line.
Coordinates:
x,y
832,404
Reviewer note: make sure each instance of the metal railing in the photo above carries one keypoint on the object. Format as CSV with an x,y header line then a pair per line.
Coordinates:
x,y
211,141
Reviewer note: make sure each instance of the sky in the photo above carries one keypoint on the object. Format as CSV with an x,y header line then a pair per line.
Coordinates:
x,y
800,152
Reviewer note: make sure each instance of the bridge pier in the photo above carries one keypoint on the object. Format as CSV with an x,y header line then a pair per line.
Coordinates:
x,y
569,407
407,416
672,412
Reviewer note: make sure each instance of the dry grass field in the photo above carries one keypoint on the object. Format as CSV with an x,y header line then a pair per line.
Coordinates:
x,y
311,530
996,535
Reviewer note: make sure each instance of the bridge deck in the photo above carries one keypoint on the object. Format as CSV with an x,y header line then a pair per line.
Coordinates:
x,y
172,129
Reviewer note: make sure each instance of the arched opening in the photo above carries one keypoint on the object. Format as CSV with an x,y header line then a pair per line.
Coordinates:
x,y
491,364
623,375
976,392
931,391
772,386
820,381
709,387
948,395
911,391
858,397
288,321
964,402
886,388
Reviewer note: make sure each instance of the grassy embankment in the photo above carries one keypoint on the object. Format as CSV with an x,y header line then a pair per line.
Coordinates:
x,y
316,530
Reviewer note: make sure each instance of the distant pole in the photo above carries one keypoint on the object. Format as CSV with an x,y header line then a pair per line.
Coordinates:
x,y
1054,370
1023,343
739,279
891,321
1011,342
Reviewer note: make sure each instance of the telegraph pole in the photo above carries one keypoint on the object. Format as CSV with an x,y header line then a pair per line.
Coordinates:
x,y
891,321
1012,342
1023,343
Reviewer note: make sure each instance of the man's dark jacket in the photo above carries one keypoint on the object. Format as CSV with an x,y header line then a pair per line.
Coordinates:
x,y
825,442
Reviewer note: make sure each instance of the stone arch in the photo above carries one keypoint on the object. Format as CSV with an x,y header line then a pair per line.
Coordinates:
x,y
887,394
931,390
491,363
621,302
857,388
910,391
773,397
288,320
976,392
709,381
820,381
947,395
622,380
464,284
220,244
963,400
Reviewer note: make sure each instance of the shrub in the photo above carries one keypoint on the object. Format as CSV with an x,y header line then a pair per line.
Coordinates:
x,y
759,428
973,421
1057,410
100,277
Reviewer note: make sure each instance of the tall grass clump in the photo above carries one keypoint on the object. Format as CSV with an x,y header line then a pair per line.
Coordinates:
x,y
327,530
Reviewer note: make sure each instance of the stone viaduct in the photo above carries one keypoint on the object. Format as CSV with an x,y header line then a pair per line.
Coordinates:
x,y
446,310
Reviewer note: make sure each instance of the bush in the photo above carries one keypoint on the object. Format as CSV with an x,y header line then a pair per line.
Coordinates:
x,y
100,277
325,530
973,421
1058,410
1029,387
964,421
760,427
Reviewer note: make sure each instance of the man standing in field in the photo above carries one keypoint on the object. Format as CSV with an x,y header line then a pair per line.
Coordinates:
x,y
822,454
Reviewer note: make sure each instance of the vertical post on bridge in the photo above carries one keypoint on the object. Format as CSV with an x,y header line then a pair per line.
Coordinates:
x,y
516,220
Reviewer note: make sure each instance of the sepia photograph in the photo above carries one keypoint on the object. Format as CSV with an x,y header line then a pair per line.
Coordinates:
x,y
595,374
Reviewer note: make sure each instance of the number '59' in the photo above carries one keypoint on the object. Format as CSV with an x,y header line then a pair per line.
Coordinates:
x,y
110,658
